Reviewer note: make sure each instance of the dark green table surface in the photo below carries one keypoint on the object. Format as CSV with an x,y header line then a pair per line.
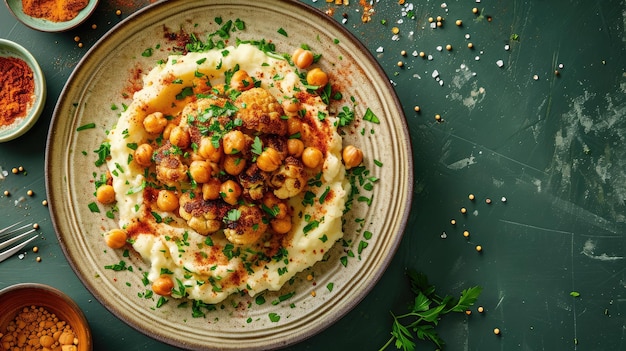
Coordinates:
x,y
551,146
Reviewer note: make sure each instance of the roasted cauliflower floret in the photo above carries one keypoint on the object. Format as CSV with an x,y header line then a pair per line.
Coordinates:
x,y
261,112
170,169
289,179
253,181
248,228
205,217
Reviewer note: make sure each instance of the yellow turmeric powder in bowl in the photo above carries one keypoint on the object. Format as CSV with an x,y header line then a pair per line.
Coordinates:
x,y
52,15
54,10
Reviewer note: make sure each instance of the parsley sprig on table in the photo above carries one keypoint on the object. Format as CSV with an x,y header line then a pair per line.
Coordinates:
x,y
425,312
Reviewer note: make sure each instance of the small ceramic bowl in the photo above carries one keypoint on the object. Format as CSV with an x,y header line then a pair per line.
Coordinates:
x,y
14,299
40,24
23,124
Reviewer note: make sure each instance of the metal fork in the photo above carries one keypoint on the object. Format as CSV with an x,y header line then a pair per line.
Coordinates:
x,y
13,234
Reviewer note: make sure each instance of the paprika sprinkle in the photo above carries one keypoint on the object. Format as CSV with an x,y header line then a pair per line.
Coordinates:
x,y
17,88
54,10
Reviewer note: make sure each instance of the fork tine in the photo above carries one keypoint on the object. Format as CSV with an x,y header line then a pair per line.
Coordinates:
x,y
15,239
8,253
11,226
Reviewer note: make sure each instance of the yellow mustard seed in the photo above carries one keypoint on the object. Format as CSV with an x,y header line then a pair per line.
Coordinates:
x,y
395,30
488,200
14,170
431,20
466,233
403,52
496,331
439,18
35,249
38,259
463,210
30,193
44,202
20,168
80,45
7,193
422,54
481,309
313,293
36,226
438,118
77,38
448,47
416,108
453,221
400,63
459,22
439,24
471,197
309,277
475,10
470,45
479,248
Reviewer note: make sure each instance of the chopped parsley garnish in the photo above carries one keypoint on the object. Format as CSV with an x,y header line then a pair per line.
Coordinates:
x,y
86,126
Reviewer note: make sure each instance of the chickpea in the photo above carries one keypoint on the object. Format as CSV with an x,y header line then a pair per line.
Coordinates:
x,y
282,225
233,142
167,200
234,164
180,137
294,126
352,156
317,77
200,171
241,81
155,123
278,207
66,338
295,147
167,131
302,58
312,157
291,105
116,238
207,150
163,285
269,160
105,194
143,155
211,189
230,191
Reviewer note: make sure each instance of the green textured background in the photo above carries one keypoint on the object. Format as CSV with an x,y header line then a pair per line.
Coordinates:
x,y
553,147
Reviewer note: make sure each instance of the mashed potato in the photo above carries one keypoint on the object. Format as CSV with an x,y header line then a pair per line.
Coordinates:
x,y
221,184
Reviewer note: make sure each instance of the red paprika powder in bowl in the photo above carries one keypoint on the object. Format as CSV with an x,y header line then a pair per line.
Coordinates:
x,y
22,90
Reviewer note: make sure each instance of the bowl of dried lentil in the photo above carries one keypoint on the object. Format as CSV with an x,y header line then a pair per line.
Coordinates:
x,y
39,317
22,90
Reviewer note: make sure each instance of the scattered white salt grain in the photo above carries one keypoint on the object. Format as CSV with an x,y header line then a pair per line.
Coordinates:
x,y
507,47
344,20
433,25
444,235
430,57
536,77
477,58
435,74
503,199
441,82
380,49
561,66
414,53
439,48
444,5
467,36
500,63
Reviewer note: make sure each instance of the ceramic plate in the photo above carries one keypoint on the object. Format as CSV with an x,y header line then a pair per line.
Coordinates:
x,y
15,6
101,80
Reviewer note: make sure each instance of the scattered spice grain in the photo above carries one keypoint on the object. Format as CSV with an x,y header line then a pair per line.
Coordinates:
x,y
44,202
496,331
481,309
466,233
463,210
7,193
479,248
30,193
471,197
